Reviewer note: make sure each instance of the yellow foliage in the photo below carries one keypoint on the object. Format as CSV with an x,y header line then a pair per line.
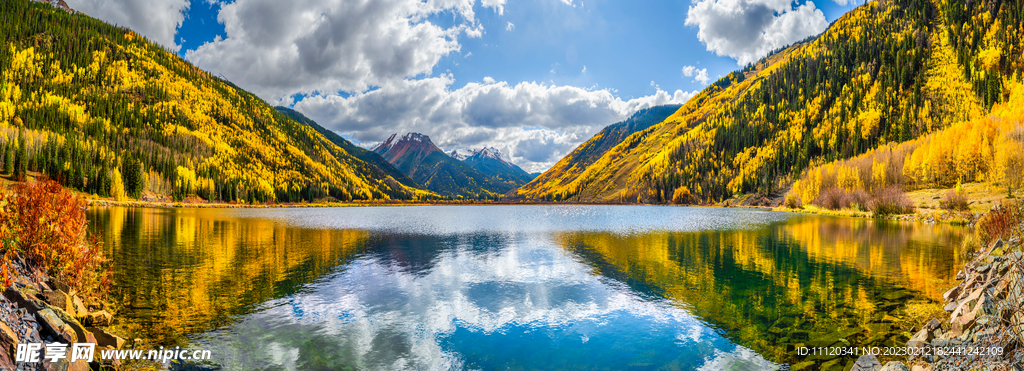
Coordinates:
x,y
116,185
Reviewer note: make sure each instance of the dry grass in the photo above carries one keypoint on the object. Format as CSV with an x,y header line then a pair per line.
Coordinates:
x,y
981,197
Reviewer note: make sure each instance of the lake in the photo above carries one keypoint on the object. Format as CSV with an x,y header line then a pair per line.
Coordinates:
x,y
519,287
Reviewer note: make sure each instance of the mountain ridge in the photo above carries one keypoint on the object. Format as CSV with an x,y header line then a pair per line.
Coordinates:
x,y
415,155
103,110
361,153
876,75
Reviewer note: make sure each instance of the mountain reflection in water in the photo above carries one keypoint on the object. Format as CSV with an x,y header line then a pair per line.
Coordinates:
x,y
532,287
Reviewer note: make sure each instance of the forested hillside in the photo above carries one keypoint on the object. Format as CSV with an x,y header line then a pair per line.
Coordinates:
x,y
987,148
361,153
886,72
105,111
569,168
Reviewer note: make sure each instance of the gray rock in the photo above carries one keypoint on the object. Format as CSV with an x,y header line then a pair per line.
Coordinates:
x,y
23,299
867,362
52,324
920,340
895,366
933,324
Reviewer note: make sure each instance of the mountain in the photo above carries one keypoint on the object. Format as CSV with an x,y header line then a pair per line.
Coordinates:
x,y
491,162
885,72
103,110
570,167
416,156
368,156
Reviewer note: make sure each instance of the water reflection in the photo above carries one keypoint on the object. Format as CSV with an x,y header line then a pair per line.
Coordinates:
x,y
516,287
809,281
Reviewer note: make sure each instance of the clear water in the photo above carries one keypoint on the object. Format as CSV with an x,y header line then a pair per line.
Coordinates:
x,y
516,287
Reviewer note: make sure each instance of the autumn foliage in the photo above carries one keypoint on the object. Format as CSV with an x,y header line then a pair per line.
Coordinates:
x,y
46,226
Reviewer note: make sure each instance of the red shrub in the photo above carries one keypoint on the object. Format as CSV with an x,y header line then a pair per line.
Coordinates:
x,y
47,226
834,198
891,200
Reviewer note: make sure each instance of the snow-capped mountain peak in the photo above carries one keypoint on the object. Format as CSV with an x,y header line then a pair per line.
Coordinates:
x,y
461,154
486,152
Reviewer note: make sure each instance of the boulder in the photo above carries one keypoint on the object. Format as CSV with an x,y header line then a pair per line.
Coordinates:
x,y
80,310
94,304
867,362
59,299
71,322
56,328
921,339
55,283
8,339
952,293
23,299
100,318
895,366
106,339
921,368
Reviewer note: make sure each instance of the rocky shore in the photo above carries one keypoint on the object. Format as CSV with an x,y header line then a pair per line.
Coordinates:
x,y
985,327
38,309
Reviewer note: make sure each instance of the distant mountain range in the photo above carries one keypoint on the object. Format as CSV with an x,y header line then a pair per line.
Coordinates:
x,y
416,156
491,162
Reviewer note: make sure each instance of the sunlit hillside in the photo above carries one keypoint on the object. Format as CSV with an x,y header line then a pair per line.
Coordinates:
x,y
105,111
886,72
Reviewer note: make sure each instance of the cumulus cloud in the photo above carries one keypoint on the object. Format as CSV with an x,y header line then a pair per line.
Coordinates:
x,y
535,123
497,5
510,27
698,75
277,49
747,30
157,20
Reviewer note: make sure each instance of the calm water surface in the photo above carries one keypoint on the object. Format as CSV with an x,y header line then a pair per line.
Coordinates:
x,y
517,287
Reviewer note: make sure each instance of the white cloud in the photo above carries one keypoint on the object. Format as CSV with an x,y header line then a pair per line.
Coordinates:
x,y
535,123
510,27
584,69
157,20
497,5
698,75
569,2
277,49
748,29
845,2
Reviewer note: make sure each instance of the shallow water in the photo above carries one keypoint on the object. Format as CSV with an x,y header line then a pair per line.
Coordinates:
x,y
517,287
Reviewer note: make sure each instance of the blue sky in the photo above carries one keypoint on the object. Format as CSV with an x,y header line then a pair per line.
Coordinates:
x,y
533,78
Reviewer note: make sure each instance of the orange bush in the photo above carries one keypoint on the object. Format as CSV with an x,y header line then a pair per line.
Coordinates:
x,y
46,225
